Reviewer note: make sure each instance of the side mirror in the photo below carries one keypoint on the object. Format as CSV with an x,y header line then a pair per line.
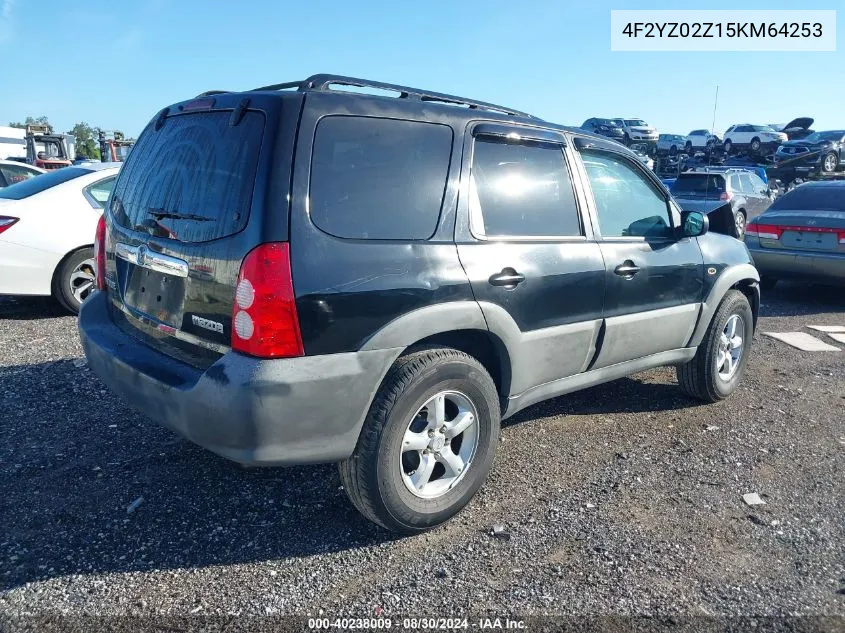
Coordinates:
x,y
694,223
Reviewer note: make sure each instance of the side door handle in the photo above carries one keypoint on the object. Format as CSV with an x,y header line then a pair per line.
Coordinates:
x,y
508,278
627,269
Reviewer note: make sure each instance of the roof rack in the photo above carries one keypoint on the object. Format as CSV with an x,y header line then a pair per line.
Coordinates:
x,y
322,83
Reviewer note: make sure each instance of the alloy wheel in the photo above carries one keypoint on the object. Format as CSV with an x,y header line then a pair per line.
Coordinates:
x,y
82,280
439,444
730,347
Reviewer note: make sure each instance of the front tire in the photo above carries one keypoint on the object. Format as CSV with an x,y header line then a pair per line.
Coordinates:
x,y
75,279
717,368
728,146
830,162
428,441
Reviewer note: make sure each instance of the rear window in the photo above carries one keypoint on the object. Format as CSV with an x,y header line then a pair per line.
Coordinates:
x,y
378,179
698,184
26,188
192,180
812,198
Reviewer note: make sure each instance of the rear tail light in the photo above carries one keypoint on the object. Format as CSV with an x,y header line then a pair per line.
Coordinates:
x,y
100,253
764,231
726,195
264,319
6,222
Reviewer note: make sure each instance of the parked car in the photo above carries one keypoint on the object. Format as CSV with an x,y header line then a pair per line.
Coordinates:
x,y
11,172
700,140
357,309
753,138
604,127
802,235
46,230
747,194
820,152
796,129
641,151
637,131
670,144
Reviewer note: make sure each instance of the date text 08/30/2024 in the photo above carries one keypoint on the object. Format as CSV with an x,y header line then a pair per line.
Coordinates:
x,y
412,624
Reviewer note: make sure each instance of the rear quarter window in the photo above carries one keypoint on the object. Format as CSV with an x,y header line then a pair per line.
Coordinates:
x,y
378,179
192,180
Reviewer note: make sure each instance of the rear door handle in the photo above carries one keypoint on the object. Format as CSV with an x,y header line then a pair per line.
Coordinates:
x,y
507,278
627,269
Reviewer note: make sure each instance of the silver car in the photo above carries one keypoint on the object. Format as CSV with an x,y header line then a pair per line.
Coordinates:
x,y
801,236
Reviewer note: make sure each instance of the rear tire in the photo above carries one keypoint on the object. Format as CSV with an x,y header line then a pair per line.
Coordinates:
x,y
688,148
384,476
75,279
728,146
739,224
755,144
706,377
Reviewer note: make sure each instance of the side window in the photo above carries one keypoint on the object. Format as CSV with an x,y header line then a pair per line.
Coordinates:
x,y
17,173
378,179
100,191
757,183
736,185
628,204
747,184
521,190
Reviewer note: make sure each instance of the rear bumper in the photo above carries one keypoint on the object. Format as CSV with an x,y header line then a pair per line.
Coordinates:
x,y
789,264
256,412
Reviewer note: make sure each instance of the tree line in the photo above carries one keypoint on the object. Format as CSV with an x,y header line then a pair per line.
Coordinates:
x,y
87,143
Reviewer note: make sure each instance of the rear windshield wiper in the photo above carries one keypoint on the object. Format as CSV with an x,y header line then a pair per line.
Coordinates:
x,y
161,214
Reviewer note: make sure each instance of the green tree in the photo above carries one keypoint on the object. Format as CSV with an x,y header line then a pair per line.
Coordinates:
x,y
42,120
87,145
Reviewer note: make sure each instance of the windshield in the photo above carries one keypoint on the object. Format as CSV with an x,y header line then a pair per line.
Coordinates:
x,y
609,122
811,198
698,185
27,188
635,122
698,133
762,128
817,137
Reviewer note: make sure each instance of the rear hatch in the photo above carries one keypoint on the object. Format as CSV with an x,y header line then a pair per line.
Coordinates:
x,y
194,196
809,218
696,191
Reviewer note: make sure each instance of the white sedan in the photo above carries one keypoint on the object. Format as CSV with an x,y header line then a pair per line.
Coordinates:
x,y
47,227
11,172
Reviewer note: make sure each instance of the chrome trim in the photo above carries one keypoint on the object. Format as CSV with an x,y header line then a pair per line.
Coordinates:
x,y
167,329
146,258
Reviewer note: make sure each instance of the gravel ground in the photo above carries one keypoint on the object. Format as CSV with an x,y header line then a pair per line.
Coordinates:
x,y
625,499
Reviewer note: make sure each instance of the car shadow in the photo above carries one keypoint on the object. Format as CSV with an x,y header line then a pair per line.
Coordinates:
x,y
625,395
798,299
90,486
30,308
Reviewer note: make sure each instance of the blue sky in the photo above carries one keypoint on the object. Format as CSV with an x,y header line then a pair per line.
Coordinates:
x,y
114,64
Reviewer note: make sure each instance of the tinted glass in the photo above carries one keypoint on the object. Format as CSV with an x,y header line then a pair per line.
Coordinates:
x,y
521,189
812,198
192,180
745,183
17,173
627,202
817,137
32,186
100,190
379,179
698,184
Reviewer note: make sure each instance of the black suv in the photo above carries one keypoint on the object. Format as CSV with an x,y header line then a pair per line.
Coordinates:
x,y
301,273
